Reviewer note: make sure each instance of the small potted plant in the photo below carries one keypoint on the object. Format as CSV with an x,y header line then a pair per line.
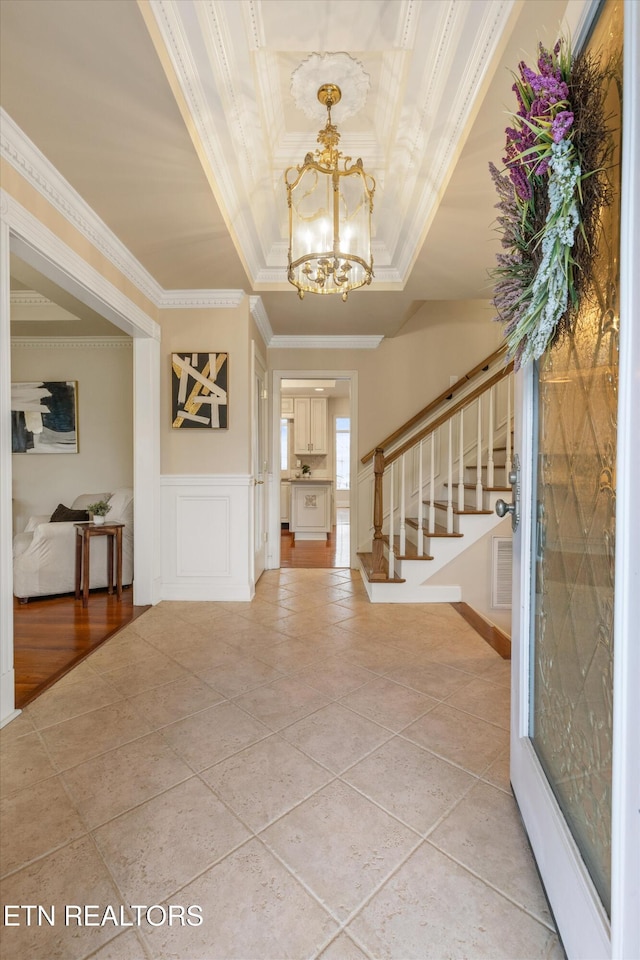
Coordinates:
x,y
306,471
98,511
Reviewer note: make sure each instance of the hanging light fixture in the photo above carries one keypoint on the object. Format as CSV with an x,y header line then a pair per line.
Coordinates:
x,y
330,201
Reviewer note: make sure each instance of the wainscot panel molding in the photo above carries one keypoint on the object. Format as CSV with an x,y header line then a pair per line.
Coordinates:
x,y
206,537
72,343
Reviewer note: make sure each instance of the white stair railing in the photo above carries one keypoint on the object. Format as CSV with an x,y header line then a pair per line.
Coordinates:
x,y
493,420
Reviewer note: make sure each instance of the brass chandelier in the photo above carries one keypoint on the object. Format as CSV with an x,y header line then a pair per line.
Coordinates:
x,y
330,200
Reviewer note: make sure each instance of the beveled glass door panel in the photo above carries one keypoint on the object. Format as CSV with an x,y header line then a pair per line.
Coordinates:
x,y
574,538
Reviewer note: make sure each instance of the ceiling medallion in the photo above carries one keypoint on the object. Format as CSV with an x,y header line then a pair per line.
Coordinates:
x,y
330,199
344,71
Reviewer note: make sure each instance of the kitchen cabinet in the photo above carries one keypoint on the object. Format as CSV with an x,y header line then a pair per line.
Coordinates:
x,y
311,509
286,407
310,426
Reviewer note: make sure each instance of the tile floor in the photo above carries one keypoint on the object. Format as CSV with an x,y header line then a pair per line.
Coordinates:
x,y
322,777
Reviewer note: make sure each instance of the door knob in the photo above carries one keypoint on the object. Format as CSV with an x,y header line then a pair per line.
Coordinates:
x,y
256,482
502,508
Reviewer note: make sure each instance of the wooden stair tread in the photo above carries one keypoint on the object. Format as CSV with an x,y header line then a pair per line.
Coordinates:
x,y
467,511
366,559
410,550
438,532
472,486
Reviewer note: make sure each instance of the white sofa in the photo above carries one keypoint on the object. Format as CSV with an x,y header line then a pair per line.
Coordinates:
x,y
44,555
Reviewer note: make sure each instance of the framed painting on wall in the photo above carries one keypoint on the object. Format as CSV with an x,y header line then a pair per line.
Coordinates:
x,y
44,416
199,390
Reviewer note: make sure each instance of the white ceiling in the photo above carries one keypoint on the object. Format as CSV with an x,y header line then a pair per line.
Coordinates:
x,y
174,120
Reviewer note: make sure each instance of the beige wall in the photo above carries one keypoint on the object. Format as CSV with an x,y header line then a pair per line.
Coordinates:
x,y
208,451
407,371
105,427
472,570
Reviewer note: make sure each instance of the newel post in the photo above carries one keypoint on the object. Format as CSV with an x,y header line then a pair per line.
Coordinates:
x,y
378,572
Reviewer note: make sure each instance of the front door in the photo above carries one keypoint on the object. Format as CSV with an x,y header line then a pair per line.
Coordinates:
x,y
565,549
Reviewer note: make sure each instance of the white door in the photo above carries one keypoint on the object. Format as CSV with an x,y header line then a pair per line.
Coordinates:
x,y
259,465
574,739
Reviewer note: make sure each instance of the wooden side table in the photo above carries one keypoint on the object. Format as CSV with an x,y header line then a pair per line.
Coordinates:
x,y
84,532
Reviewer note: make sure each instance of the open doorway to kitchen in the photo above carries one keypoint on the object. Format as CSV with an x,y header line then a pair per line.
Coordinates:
x,y
314,437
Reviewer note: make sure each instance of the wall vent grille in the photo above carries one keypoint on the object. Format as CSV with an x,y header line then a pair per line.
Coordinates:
x,y
502,557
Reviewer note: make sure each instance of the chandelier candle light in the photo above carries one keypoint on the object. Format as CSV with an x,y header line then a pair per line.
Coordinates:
x,y
330,200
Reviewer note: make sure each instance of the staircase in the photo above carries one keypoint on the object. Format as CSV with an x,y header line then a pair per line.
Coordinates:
x,y
435,486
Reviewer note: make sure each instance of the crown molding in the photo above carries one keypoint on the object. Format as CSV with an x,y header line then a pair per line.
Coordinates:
x,y
29,298
72,343
218,299
259,314
325,343
43,249
31,163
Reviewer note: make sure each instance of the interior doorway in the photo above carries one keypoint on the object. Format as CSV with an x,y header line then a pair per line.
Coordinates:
x,y
314,447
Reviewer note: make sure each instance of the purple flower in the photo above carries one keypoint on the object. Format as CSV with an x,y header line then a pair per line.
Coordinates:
x,y
561,123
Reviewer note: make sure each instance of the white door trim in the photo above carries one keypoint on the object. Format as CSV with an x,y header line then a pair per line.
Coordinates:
x,y
273,558
41,248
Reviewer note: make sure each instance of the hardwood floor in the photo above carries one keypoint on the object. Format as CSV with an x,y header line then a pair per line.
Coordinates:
x,y
332,552
52,634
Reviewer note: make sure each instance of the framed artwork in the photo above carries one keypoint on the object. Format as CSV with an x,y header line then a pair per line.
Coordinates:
x,y
200,390
44,416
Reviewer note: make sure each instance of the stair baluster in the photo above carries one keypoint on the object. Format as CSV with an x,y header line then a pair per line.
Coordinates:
x,y
420,543
432,487
490,470
403,529
479,458
461,461
392,556
377,567
450,480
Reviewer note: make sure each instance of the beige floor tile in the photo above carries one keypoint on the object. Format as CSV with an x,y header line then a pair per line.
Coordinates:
x,y
291,655
432,908
119,652
265,781
485,834
74,741
19,727
139,677
174,701
336,737
499,773
282,702
35,821
434,679
380,658
214,734
140,846
389,703
63,701
468,741
342,948
201,654
489,701
239,676
410,783
252,909
74,875
23,762
126,946
340,845
335,676
498,671
102,792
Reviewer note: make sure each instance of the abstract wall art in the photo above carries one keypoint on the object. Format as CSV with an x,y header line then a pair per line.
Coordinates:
x,y
44,417
199,390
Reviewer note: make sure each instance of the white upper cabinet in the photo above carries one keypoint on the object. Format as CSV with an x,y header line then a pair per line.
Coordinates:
x,y
310,425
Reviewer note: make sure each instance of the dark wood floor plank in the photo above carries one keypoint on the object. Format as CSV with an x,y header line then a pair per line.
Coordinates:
x,y
53,634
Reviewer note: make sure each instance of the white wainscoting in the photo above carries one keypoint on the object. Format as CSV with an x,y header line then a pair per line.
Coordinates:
x,y
206,537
